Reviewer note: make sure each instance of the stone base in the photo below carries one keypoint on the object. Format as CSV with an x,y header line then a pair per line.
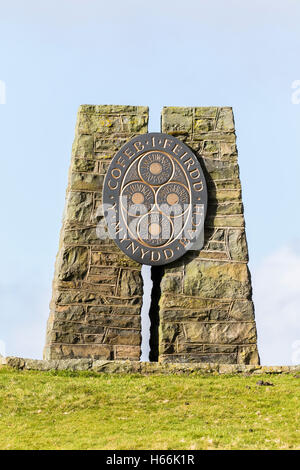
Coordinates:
x,y
135,367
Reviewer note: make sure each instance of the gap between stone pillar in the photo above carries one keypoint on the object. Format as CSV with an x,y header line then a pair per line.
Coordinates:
x,y
145,318
156,277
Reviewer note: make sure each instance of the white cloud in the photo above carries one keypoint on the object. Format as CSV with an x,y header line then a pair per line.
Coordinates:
x,y
276,289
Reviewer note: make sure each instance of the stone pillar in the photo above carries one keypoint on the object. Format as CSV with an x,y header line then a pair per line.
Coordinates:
x,y
206,309
97,290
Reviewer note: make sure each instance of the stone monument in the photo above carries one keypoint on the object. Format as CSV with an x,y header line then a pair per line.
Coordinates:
x,y
201,309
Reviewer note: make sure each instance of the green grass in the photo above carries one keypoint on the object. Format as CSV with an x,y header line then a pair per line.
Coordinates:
x,y
63,410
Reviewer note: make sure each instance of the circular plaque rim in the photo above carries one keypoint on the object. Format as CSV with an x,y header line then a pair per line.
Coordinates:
x,y
128,158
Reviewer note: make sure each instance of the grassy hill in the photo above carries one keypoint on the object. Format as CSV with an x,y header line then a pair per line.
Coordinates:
x,y
85,410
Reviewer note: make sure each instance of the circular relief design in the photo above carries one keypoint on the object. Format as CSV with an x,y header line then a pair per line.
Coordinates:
x,y
173,199
154,198
155,229
137,198
156,168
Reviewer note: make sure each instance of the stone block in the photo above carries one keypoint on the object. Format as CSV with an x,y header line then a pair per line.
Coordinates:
x,y
206,112
70,313
128,352
86,182
120,336
237,245
198,358
130,283
71,351
221,332
74,263
217,280
85,165
79,207
225,120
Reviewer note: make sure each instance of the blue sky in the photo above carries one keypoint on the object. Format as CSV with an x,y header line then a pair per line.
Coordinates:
x,y
56,55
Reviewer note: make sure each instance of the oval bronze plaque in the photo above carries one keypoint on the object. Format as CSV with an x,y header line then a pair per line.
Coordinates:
x,y
155,198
